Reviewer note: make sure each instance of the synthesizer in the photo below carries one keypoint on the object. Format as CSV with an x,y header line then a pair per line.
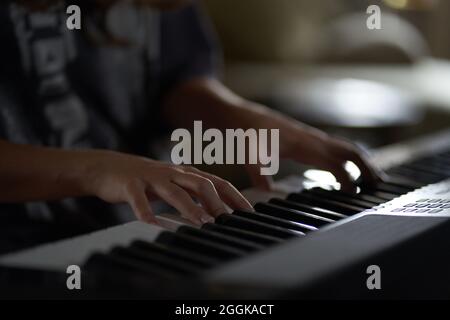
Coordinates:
x,y
300,242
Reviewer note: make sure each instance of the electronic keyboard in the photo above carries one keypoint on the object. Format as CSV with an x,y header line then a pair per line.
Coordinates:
x,y
300,242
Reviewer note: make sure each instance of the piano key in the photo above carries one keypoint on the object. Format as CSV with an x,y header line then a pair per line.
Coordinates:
x,y
220,238
321,212
258,227
414,174
341,197
291,214
366,197
102,263
401,182
379,194
261,239
431,170
58,255
384,187
168,263
443,166
199,246
325,203
260,217
192,257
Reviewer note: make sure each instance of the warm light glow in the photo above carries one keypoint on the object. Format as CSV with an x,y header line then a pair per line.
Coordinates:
x,y
397,4
411,4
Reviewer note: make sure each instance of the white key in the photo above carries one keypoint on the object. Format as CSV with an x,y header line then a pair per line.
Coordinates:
x,y
59,255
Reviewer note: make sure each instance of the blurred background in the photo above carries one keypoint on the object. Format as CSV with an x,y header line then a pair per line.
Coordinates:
x,y
318,61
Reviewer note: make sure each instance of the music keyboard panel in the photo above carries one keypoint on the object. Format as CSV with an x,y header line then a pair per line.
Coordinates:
x,y
299,234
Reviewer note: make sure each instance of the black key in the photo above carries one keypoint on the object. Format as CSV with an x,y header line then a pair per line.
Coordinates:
x,y
405,183
242,234
435,165
341,197
384,187
168,263
116,265
321,212
255,226
430,169
325,203
382,195
191,257
292,215
260,217
422,177
365,197
198,245
219,238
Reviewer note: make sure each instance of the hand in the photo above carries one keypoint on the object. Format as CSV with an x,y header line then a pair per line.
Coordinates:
x,y
313,147
116,177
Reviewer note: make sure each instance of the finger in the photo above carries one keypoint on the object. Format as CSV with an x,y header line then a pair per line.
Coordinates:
x,y
348,151
369,173
258,180
227,192
137,199
232,197
342,176
204,190
182,201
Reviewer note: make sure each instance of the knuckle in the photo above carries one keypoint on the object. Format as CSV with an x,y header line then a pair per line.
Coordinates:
x,y
224,184
173,193
131,185
172,172
204,185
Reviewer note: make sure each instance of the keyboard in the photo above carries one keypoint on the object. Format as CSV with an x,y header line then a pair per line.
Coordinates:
x,y
299,242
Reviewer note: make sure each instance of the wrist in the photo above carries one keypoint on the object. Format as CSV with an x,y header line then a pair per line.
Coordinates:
x,y
85,167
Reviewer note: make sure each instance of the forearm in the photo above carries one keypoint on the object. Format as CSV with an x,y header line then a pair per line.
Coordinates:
x,y
32,173
209,101
218,107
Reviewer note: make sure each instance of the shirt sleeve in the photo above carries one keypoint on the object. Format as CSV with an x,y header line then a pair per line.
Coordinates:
x,y
189,47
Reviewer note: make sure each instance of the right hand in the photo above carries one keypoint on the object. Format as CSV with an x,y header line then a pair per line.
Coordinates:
x,y
116,178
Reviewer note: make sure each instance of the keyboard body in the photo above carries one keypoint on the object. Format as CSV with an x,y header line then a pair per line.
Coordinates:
x,y
402,227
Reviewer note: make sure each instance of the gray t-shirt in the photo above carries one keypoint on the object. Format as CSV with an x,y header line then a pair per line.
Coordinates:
x,y
75,89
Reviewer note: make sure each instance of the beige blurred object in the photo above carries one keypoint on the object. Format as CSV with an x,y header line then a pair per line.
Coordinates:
x,y
411,4
347,39
305,31
439,29
276,30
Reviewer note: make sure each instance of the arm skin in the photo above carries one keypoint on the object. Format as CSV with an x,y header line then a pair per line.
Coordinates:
x,y
208,100
29,173
33,173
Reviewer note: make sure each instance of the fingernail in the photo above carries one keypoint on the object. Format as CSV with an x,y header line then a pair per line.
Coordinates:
x,y
206,219
251,209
